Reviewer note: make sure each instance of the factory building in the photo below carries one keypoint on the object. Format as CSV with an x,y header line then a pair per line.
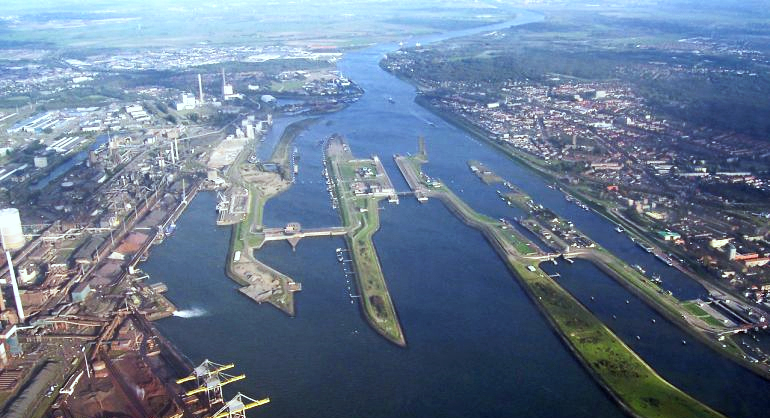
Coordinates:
x,y
187,102
81,292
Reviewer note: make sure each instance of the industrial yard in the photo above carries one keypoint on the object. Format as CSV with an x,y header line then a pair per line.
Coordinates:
x,y
75,313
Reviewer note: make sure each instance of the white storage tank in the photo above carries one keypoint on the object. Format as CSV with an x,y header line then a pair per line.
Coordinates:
x,y
10,227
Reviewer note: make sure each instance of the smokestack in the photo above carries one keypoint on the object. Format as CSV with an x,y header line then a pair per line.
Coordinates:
x,y
2,301
200,88
11,226
224,82
16,295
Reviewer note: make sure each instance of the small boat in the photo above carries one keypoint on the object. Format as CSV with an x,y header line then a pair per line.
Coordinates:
x,y
390,100
639,268
619,229
170,229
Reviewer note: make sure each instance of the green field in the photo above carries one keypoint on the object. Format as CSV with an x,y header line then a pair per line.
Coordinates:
x,y
69,24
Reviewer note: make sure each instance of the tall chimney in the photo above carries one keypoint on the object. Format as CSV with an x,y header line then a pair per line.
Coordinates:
x,y
200,88
224,82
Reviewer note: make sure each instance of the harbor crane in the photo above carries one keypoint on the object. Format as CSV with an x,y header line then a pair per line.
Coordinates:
x,y
210,378
237,407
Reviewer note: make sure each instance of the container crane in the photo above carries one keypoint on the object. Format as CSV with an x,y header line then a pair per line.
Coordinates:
x,y
210,378
237,407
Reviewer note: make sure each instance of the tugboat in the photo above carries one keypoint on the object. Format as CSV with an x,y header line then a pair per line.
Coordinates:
x,y
170,229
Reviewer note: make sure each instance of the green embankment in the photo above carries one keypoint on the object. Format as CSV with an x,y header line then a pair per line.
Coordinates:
x,y
374,292
377,305
511,236
625,376
281,152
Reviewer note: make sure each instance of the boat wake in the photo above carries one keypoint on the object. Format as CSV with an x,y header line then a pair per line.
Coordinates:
x,y
191,313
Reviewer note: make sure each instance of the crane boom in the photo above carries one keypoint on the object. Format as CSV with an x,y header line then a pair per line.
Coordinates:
x,y
208,372
203,388
250,405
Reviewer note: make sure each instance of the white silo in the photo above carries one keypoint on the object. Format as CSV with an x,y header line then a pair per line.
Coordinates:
x,y
10,228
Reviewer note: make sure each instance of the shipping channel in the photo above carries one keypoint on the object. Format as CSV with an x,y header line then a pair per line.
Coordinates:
x,y
477,346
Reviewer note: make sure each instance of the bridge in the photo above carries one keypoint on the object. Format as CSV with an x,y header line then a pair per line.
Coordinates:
x,y
552,256
293,232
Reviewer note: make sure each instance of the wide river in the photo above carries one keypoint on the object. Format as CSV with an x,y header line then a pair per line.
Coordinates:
x,y
477,346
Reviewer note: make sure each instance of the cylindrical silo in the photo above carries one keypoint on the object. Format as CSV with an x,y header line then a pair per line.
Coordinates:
x,y
10,227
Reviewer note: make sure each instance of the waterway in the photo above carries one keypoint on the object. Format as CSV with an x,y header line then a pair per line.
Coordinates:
x,y
476,345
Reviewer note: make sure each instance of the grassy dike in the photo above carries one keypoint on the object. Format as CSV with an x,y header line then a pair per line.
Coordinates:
x,y
731,351
281,152
376,304
622,373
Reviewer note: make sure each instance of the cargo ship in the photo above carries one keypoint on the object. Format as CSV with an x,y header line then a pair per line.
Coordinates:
x,y
644,247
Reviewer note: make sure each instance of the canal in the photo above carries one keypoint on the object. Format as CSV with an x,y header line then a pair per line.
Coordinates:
x,y
476,345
